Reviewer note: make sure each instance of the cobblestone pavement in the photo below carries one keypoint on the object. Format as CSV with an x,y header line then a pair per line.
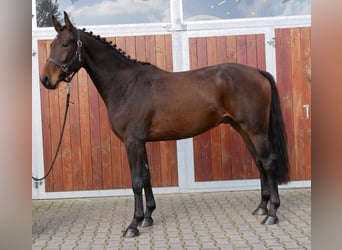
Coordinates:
x,y
218,220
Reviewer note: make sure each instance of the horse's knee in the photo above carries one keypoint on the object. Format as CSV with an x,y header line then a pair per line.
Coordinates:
x,y
137,185
268,163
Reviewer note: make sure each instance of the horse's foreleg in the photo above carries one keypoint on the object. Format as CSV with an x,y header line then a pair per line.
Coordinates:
x,y
150,202
136,155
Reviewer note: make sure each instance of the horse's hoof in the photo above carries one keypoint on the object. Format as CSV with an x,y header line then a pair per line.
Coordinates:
x,y
270,220
260,211
147,222
131,232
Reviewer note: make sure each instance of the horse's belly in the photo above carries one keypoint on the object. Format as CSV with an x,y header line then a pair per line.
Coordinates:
x,y
176,126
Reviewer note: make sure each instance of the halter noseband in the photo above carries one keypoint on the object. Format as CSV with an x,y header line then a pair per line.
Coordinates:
x,y
65,67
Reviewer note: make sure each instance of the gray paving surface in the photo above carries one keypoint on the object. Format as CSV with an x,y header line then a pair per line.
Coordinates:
x,y
219,220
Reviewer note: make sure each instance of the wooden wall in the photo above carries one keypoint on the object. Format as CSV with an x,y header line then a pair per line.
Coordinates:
x,y
220,153
293,53
91,157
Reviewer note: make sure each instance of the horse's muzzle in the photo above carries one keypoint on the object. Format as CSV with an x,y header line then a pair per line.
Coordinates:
x,y
46,83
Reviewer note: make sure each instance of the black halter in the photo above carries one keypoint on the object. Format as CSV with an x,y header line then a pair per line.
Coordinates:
x,y
65,67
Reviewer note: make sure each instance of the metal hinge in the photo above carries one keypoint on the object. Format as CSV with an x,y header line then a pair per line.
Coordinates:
x,y
307,111
272,42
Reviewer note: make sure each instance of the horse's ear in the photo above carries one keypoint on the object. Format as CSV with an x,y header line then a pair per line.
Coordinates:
x,y
68,24
56,24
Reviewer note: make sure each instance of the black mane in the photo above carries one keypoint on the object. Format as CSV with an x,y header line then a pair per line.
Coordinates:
x,y
114,47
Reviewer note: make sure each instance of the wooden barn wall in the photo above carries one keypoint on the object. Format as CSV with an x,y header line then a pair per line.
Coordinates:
x,y
220,153
91,157
293,55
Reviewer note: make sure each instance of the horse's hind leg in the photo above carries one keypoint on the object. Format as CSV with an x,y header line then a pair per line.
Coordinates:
x,y
265,193
269,186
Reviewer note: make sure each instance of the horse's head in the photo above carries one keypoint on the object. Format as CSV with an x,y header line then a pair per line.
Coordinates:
x,y
65,55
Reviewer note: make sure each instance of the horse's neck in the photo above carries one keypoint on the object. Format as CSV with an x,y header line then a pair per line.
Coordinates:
x,y
105,67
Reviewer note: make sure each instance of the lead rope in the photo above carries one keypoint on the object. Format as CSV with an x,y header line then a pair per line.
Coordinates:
x,y
37,180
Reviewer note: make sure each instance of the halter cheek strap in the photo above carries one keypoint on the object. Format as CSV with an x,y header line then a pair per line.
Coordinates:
x,y
65,67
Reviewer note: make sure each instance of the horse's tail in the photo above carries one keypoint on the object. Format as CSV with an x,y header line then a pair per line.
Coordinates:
x,y
277,134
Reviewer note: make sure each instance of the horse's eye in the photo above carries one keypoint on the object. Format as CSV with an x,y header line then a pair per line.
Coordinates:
x,y
65,44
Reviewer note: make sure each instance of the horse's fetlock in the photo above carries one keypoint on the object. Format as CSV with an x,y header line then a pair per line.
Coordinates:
x,y
139,218
151,206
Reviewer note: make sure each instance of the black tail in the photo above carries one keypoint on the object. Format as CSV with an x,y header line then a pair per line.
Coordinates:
x,y
277,134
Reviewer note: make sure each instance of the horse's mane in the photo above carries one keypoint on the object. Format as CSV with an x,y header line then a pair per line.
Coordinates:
x,y
110,44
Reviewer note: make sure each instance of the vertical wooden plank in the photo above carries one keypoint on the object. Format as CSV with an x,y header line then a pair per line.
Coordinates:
x,y
298,111
260,51
116,162
193,53
284,85
306,60
166,163
202,145
231,43
251,51
168,53
95,135
125,169
160,50
140,48
106,158
241,49
121,43
44,95
211,51
173,163
221,49
155,163
86,165
202,52
226,157
75,135
130,46
55,131
65,146
150,45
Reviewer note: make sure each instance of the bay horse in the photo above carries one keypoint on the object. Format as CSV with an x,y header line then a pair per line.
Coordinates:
x,y
146,103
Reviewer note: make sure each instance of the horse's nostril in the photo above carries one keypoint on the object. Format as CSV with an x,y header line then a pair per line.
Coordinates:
x,y
44,79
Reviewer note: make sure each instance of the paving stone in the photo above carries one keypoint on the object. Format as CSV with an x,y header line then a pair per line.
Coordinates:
x,y
218,220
